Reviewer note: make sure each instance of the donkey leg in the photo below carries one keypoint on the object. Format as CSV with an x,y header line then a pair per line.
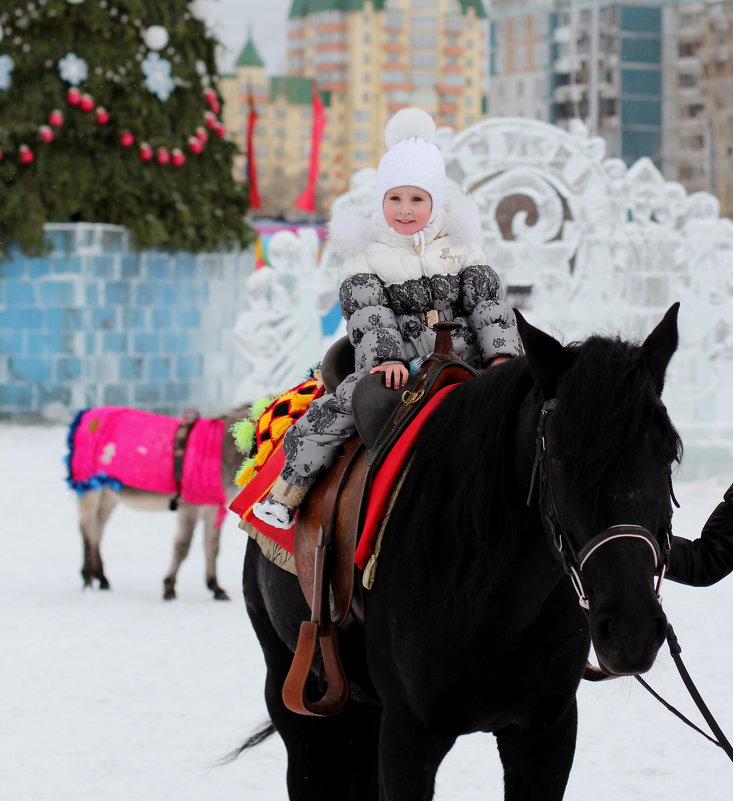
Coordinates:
x,y
212,535
329,759
186,518
95,509
537,760
409,756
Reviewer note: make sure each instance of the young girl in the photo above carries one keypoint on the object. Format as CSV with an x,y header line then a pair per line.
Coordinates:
x,y
412,262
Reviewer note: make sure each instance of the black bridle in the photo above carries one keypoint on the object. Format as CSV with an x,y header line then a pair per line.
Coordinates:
x,y
573,558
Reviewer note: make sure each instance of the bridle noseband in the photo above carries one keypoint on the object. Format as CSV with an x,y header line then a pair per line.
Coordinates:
x,y
574,559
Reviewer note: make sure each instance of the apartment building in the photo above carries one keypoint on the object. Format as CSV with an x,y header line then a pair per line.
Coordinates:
x,y
368,58
654,78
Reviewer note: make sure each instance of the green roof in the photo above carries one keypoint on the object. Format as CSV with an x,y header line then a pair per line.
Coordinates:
x,y
301,8
296,89
249,57
476,5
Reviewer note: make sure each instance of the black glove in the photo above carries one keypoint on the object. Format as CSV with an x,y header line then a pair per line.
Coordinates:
x,y
709,558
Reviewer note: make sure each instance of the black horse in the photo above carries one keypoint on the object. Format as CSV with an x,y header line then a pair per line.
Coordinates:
x,y
472,623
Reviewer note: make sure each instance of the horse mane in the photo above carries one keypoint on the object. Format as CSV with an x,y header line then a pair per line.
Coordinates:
x,y
466,451
461,493
607,401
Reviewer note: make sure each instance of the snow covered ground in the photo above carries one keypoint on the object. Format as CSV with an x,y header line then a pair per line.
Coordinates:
x,y
123,696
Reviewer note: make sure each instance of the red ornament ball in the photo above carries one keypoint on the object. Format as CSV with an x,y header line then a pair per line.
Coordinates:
x,y
56,118
46,133
146,152
201,135
102,116
26,155
177,158
210,96
220,131
195,145
162,156
73,96
86,103
210,120
127,139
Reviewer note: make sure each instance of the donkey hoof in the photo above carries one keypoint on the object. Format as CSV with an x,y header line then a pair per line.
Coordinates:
x,y
103,584
169,590
221,595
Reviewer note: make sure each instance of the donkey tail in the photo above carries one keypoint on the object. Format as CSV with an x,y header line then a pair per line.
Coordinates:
x,y
266,730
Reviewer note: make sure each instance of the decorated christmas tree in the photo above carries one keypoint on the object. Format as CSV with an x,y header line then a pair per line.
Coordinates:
x,y
109,112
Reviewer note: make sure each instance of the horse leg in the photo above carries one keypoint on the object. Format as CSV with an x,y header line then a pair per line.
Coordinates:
x,y
186,518
409,756
212,535
95,509
330,758
537,760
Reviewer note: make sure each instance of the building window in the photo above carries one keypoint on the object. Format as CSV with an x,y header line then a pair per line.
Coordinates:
x,y
424,22
393,19
423,40
418,4
362,115
424,80
423,60
362,155
454,22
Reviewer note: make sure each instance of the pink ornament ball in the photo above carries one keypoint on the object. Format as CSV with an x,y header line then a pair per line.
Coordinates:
x,y
195,145
127,139
210,120
56,118
46,133
220,131
177,158
162,156
201,135
146,152
26,155
102,116
86,103
73,97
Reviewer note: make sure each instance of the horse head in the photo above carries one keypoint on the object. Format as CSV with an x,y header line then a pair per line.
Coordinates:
x,y
604,453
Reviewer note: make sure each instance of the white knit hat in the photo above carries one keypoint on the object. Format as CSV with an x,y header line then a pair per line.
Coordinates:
x,y
412,158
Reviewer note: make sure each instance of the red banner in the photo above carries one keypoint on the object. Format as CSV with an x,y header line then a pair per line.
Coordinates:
x,y
254,194
307,201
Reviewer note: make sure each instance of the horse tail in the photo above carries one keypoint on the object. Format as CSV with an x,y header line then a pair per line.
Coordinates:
x,y
266,730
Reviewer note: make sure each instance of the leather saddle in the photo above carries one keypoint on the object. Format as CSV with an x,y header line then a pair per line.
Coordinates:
x,y
331,517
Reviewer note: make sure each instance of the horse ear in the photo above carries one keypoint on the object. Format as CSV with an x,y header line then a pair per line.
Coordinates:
x,y
659,346
547,359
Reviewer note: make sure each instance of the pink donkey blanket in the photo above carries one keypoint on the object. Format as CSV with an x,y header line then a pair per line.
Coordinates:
x,y
120,447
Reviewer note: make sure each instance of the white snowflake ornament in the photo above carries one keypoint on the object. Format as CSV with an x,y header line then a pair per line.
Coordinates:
x,y
73,69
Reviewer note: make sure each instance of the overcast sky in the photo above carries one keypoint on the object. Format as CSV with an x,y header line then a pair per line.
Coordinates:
x,y
229,21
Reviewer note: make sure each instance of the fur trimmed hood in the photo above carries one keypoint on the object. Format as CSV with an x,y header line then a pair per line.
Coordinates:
x,y
351,230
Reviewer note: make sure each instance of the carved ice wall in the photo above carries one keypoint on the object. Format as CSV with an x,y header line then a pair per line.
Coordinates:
x,y
583,244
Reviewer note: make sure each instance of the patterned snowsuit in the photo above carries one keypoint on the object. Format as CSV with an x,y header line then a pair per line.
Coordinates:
x,y
390,282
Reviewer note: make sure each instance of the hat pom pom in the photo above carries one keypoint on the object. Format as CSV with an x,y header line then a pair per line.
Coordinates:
x,y
409,122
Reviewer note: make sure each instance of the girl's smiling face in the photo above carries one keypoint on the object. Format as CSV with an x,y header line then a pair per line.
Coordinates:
x,y
407,209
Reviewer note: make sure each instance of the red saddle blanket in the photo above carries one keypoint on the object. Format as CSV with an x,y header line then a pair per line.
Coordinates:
x,y
381,491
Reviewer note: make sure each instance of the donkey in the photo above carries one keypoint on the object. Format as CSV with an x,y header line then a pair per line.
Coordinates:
x,y
120,455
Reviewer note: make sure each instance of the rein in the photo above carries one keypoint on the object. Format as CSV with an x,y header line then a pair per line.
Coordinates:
x,y
574,561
